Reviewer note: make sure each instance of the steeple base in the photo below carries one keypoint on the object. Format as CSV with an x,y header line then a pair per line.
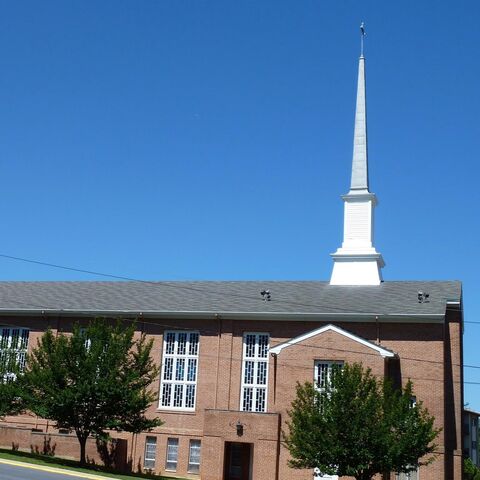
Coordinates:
x,y
357,269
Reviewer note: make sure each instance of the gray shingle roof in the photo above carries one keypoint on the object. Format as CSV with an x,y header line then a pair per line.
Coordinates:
x,y
287,297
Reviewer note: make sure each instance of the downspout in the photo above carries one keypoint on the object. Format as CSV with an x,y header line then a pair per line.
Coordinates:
x,y
219,334
274,355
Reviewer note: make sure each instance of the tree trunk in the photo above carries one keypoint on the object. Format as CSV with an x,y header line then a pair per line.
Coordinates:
x,y
83,442
364,476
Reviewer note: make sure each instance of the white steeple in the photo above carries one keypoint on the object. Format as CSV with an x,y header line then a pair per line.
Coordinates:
x,y
357,262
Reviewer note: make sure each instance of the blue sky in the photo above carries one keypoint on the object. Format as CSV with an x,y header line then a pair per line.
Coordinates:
x,y
213,139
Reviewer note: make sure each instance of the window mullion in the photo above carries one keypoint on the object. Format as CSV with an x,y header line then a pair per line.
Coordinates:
x,y
172,381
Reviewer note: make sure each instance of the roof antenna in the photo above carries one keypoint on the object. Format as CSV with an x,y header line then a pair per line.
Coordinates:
x,y
362,35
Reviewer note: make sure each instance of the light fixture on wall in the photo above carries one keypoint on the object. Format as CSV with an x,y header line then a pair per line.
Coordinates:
x,y
239,426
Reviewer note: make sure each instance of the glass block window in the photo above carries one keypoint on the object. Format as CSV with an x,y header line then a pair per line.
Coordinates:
x,y
13,350
150,453
179,370
172,454
194,456
324,372
254,372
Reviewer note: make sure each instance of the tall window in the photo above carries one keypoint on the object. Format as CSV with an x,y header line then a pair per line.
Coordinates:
x,y
194,457
324,372
254,372
150,453
179,370
13,350
172,454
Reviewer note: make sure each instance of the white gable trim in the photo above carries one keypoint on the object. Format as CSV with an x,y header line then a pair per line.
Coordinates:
x,y
332,328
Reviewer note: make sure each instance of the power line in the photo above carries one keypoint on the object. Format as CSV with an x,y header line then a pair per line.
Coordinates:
x,y
177,285
291,365
212,331
304,345
73,269
203,290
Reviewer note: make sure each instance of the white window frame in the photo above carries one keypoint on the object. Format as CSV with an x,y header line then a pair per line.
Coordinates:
x,y
172,448
330,364
173,360
150,456
254,385
195,444
13,344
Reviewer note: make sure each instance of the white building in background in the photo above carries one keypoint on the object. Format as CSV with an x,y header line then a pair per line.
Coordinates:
x,y
470,435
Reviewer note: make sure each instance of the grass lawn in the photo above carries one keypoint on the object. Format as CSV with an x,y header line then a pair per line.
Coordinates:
x,y
72,465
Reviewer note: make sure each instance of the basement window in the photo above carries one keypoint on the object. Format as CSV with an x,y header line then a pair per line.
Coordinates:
x,y
150,453
172,455
413,475
194,456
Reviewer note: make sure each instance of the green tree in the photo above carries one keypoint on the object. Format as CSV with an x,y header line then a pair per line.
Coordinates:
x,y
472,472
358,426
92,381
11,393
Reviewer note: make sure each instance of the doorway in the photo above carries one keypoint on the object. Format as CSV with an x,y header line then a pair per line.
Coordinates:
x,y
238,461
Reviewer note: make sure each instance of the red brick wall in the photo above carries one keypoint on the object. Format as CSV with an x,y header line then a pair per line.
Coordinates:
x,y
423,350
63,446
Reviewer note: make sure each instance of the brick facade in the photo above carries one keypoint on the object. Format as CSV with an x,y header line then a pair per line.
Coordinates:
x,y
430,354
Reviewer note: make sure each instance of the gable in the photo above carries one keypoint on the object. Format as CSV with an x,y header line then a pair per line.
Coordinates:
x,y
332,328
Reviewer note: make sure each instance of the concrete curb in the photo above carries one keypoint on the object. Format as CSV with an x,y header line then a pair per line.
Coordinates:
x,y
62,471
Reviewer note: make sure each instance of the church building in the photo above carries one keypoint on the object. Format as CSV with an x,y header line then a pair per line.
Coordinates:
x,y
231,352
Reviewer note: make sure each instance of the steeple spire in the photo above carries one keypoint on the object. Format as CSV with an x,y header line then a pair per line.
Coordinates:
x,y
357,262
360,153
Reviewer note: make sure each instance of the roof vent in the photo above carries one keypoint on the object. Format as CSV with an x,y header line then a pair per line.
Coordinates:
x,y
266,295
423,297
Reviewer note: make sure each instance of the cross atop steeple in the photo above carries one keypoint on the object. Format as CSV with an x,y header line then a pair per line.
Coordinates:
x,y
357,262
362,33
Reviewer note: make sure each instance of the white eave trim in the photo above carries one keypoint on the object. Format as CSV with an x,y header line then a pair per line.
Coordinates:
x,y
231,315
332,328
471,412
